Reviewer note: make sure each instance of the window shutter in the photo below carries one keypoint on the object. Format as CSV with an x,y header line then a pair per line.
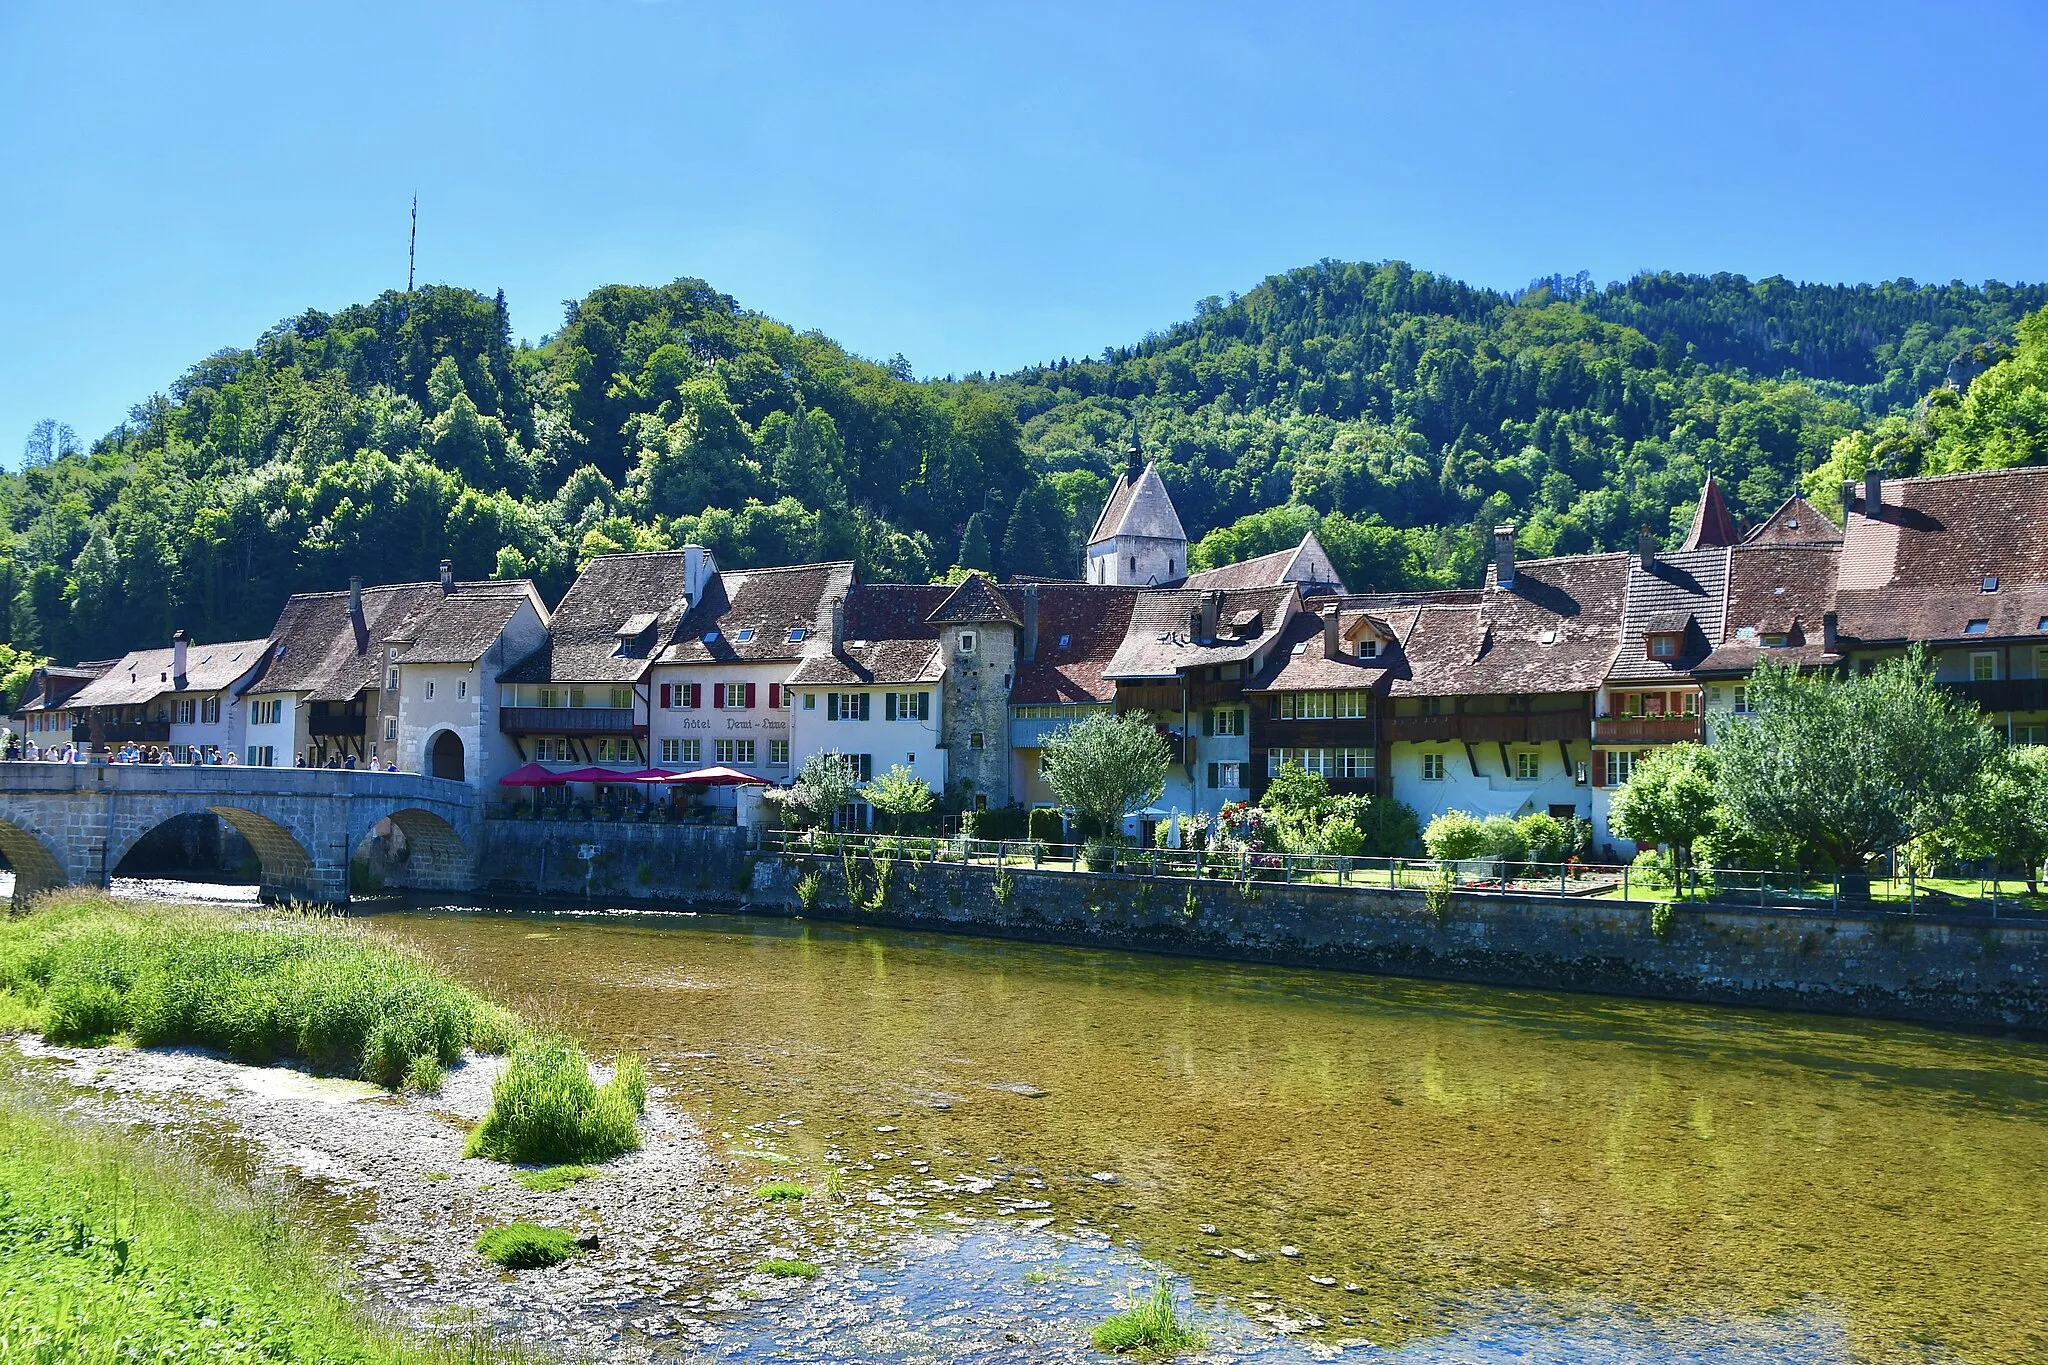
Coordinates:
x,y
1212,775
889,706
924,706
667,695
696,695
1209,728
831,706
718,696
750,696
1599,767
864,707
774,696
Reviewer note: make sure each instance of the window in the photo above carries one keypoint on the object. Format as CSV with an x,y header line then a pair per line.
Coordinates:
x,y
1984,667
209,711
1528,765
461,688
671,751
391,678
810,701
907,705
1742,699
980,801
966,642
1991,582
547,697
1978,626
430,689
182,712
1663,646
910,759
1309,760
2029,734
391,727
1621,766
267,712
1066,640
732,696
262,755
1432,767
680,696
745,636
1369,648
778,753
796,635
1229,721
1353,705
846,706
693,751
622,699
974,740
2041,662
1225,777
1354,765
1305,706
740,751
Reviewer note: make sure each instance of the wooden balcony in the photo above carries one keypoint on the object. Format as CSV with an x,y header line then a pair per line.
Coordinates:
x,y
567,720
1513,727
1646,730
2005,694
122,731
336,724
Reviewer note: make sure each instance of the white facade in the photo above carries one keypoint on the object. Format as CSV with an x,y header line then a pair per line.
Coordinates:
x,y
1137,561
204,720
818,725
441,705
272,729
732,714
1438,777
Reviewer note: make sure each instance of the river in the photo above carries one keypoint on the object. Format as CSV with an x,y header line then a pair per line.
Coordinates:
x,y
1319,1160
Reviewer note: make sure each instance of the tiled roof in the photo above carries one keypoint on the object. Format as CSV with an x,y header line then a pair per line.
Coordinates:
x,y
1306,565
1300,665
56,684
767,606
145,674
1080,626
1138,507
1682,592
1711,524
1796,522
461,627
1775,588
1556,628
328,655
1917,571
889,638
584,644
976,599
1159,642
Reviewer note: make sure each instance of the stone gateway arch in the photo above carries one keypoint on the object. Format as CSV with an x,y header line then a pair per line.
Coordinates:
x,y
71,824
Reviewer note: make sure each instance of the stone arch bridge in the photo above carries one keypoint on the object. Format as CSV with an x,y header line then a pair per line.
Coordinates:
x,y
70,824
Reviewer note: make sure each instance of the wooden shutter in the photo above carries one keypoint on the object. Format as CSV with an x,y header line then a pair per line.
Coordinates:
x,y
696,695
750,696
864,710
924,706
831,706
889,706
1599,767
667,696
774,696
1209,728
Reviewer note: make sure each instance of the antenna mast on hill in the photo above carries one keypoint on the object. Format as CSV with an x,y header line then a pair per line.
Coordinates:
x,y
412,247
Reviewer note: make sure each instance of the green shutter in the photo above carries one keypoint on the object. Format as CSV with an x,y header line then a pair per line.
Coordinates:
x,y
831,706
924,706
889,709
864,708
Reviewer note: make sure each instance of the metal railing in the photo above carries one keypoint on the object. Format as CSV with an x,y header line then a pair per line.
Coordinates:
x,y
1703,889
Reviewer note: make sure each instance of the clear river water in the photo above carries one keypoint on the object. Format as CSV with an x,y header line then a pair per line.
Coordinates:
x,y
1451,1173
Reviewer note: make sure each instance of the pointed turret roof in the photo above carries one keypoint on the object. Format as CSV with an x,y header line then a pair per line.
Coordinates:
x,y
975,600
1138,507
1796,522
1712,527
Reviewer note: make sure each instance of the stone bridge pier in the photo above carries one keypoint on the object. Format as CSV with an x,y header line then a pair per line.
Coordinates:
x,y
65,824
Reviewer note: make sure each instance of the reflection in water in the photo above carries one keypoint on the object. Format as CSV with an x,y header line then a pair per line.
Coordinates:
x,y
1457,1172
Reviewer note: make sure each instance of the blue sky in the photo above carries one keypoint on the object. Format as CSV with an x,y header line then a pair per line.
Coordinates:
x,y
975,187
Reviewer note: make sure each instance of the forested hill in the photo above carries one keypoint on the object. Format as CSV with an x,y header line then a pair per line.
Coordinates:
x,y
1395,410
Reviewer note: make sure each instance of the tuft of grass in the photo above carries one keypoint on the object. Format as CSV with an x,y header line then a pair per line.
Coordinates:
x,y
554,1179
545,1110
262,986
1037,1276
424,1075
433,1177
835,1183
112,1251
1151,1326
782,1191
526,1246
786,1268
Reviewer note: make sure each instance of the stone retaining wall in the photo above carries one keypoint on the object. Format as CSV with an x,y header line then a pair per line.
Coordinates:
x,y
602,858
1985,974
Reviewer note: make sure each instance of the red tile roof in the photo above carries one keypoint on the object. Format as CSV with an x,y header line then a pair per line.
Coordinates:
x,y
1918,570
1080,626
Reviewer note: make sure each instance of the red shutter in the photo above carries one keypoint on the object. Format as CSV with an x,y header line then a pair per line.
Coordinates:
x,y
696,695
1599,767
750,696
718,696
667,696
774,696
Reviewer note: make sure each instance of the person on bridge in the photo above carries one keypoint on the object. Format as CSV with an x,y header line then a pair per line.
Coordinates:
x,y
301,762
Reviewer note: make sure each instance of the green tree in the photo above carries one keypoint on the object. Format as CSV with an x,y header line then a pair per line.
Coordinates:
x,y
974,552
1847,768
1106,767
825,783
899,794
2005,817
1670,798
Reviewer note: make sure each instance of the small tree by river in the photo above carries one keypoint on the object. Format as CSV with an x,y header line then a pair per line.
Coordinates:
x,y
1106,767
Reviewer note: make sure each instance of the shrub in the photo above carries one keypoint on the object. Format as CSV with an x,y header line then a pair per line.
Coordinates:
x,y
1651,871
1000,822
1546,838
1341,837
1455,835
1048,826
1150,1326
1099,854
526,1246
545,1110
786,1268
808,890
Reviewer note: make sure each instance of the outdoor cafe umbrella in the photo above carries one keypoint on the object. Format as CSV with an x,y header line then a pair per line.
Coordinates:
x,y
593,774
646,775
532,775
719,776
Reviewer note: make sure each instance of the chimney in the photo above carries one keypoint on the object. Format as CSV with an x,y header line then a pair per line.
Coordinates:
x,y
1848,497
1829,631
1646,546
1873,493
179,643
1333,648
838,622
355,597
1027,647
447,577
1212,603
698,566
1504,555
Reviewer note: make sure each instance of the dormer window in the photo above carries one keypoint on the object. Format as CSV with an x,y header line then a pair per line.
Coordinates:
x,y
1663,646
1368,648
1991,582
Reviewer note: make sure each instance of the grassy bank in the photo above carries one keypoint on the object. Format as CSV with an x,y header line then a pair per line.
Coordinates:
x,y
110,1253
262,986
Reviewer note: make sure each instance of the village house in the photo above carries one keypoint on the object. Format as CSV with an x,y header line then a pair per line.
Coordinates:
x,y
1317,703
188,697
44,716
1068,635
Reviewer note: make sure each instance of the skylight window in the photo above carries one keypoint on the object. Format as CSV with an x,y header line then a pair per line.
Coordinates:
x,y
1066,640
710,637
1977,627
796,635
746,634
1991,582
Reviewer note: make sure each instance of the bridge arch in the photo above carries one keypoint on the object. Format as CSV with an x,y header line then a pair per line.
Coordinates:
x,y
36,867
417,848
288,869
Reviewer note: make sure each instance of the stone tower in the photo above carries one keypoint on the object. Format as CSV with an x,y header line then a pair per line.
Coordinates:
x,y
1138,540
978,629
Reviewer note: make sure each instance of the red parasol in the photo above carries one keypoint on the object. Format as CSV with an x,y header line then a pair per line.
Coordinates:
x,y
532,775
